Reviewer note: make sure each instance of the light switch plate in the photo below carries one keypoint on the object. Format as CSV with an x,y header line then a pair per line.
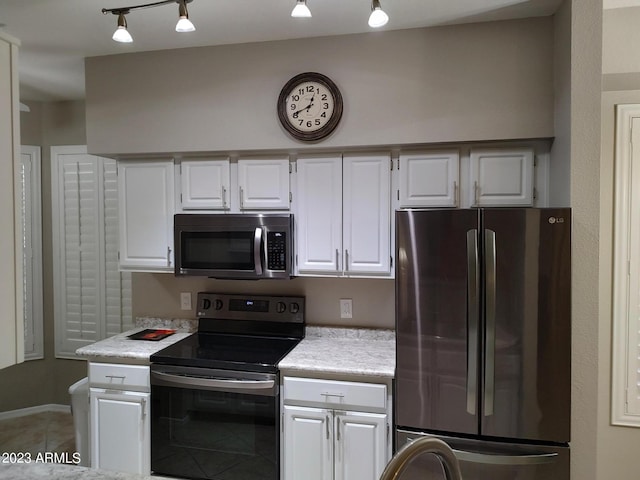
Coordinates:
x,y
346,308
185,301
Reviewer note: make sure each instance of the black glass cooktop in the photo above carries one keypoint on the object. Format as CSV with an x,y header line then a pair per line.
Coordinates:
x,y
230,352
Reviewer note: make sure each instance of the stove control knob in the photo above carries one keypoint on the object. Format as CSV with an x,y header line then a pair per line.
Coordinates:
x,y
218,305
281,307
206,304
294,307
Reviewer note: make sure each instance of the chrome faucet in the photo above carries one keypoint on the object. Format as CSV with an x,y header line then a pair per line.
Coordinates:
x,y
437,447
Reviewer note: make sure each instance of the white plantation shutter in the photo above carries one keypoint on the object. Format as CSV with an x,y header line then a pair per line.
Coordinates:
x,y
32,252
626,300
88,287
117,285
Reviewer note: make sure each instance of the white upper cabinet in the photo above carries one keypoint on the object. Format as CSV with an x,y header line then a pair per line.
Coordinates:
x,y
319,214
343,215
146,202
501,177
263,184
205,184
366,214
429,179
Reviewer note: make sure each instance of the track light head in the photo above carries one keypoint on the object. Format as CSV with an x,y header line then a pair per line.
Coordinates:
x,y
301,10
184,24
378,17
121,34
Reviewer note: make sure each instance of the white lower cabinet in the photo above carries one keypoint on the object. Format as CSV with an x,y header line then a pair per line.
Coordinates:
x,y
329,442
120,427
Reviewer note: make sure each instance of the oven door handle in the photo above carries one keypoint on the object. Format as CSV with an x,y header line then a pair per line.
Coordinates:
x,y
168,379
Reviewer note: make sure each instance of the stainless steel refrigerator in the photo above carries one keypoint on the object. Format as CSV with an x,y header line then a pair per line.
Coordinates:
x,y
483,329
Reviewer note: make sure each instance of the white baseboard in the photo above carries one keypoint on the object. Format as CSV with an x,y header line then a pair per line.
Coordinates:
x,y
51,407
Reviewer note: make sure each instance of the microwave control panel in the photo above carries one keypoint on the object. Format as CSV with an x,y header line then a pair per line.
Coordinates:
x,y
276,251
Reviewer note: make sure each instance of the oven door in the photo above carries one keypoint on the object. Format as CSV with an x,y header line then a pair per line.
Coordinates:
x,y
214,424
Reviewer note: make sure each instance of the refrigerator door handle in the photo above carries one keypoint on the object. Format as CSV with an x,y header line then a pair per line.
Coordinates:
x,y
473,299
535,459
490,321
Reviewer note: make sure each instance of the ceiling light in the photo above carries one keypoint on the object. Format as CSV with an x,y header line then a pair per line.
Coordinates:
x,y
184,24
121,34
378,17
301,10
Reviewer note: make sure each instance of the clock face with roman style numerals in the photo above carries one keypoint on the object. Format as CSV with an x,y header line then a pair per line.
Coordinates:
x,y
310,106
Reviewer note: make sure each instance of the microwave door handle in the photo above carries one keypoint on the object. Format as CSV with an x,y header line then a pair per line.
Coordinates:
x,y
257,244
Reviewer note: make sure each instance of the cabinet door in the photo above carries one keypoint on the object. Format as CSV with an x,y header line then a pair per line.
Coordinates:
x,y
146,202
308,444
366,214
120,431
205,184
429,179
319,214
263,184
502,177
360,445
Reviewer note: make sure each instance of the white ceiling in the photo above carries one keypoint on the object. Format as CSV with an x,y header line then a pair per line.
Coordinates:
x,y
57,35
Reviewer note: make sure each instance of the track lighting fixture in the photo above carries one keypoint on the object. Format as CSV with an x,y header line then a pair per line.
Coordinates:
x,y
122,34
378,17
301,10
184,24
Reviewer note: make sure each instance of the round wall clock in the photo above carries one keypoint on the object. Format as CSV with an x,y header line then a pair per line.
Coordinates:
x,y
310,106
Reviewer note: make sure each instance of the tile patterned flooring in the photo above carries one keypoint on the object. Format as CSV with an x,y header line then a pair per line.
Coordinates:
x,y
38,433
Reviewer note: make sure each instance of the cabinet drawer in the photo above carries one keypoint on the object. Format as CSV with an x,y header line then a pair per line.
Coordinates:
x,y
119,377
334,393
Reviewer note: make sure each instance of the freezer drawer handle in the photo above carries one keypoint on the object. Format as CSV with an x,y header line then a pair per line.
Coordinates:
x,y
474,457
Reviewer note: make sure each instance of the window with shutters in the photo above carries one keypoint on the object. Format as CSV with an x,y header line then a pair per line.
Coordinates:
x,y
92,298
30,168
626,281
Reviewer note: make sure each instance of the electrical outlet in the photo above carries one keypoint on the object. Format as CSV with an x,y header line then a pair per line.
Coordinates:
x,y
346,308
185,301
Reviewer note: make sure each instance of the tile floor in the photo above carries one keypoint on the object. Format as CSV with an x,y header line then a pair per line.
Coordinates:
x,y
38,433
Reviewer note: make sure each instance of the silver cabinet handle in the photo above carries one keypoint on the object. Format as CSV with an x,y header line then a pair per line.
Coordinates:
x,y
346,260
486,458
476,193
490,321
121,377
456,195
327,394
241,197
337,259
473,299
168,256
326,423
224,197
257,244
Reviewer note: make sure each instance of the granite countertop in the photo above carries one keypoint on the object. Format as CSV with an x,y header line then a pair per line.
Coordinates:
x,y
57,471
120,348
343,351
324,350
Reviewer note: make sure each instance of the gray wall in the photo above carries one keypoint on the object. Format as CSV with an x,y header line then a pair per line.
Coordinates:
x,y
471,82
617,446
46,381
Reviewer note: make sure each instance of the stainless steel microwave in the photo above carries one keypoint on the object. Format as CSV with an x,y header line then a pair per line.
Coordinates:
x,y
245,246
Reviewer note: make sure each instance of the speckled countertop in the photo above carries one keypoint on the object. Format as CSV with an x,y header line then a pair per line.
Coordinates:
x,y
55,471
325,350
120,348
343,351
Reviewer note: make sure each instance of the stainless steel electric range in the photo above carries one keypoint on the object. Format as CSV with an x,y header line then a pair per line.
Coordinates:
x,y
215,394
